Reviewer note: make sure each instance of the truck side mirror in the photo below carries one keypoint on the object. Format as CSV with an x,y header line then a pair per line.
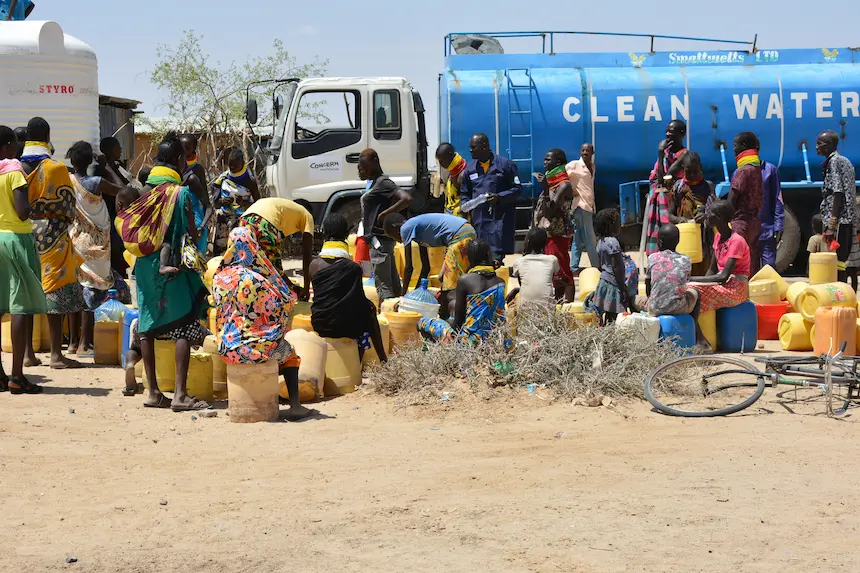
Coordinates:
x,y
251,113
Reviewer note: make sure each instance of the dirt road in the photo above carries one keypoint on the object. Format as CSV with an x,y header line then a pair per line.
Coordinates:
x,y
512,484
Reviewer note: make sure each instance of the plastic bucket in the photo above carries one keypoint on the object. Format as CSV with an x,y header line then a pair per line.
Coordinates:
x,y
370,356
165,365
211,269
588,279
219,368
200,373
642,327
793,292
6,333
404,329
708,325
833,326
764,292
313,351
795,332
252,391
769,273
823,295
371,295
822,268
342,366
690,243
437,258
106,342
390,304
578,316
302,322
769,317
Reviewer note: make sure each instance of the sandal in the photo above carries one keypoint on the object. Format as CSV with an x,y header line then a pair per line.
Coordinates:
x,y
4,383
193,405
163,402
133,391
24,386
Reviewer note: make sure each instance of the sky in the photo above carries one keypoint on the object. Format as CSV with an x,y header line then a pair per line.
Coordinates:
x,y
382,38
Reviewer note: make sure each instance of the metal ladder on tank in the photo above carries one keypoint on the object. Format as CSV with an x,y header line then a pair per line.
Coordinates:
x,y
522,141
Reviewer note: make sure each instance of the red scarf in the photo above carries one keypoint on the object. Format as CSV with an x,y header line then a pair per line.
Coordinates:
x,y
458,164
556,177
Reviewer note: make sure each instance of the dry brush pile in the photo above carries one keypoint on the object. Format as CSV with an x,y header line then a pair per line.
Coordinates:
x,y
548,349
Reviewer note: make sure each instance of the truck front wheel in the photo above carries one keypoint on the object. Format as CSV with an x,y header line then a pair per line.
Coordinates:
x,y
787,249
351,211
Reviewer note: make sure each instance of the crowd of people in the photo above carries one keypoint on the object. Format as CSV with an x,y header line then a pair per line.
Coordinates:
x,y
68,236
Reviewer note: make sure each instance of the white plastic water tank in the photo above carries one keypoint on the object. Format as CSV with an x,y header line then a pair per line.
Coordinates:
x,y
46,73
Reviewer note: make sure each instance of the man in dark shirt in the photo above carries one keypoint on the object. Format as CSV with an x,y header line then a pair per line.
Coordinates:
x,y
382,198
494,178
746,195
838,199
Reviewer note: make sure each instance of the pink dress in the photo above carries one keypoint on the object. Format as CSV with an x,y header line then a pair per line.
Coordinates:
x,y
734,291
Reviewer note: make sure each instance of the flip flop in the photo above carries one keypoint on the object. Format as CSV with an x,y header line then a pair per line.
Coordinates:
x,y
24,386
133,391
71,365
163,403
193,405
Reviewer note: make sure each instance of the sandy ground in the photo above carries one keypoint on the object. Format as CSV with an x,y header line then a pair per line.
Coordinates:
x,y
515,483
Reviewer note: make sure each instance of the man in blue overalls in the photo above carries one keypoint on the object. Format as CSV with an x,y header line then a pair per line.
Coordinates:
x,y
15,9
490,183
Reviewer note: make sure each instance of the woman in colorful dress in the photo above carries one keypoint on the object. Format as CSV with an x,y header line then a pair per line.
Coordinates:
x,y
726,284
553,215
670,155
21,291
52,212
171,303
254,305
479,304
690,201
90,236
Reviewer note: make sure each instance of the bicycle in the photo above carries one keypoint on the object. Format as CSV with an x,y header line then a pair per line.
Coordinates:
x,y
708,386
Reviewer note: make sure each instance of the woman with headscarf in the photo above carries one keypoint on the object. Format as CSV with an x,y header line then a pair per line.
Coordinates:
x,y
689,201
254,305
52,211
340,308
668,168
480,302
171,301
20,282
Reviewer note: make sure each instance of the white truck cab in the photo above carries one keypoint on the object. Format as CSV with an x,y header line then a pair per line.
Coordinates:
x,y
319,163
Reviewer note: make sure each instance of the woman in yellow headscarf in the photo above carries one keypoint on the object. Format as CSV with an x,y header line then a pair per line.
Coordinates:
x,y
52,211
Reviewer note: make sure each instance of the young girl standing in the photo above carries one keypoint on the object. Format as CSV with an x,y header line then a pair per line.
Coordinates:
x,y
726,282
611,296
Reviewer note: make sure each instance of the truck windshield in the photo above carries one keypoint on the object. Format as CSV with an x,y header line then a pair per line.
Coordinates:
x,y
289,92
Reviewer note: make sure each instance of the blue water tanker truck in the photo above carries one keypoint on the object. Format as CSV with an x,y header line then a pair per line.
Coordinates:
x,y
622,102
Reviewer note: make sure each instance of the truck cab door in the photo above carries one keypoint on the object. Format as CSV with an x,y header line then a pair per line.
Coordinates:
x,y
392,121
325,136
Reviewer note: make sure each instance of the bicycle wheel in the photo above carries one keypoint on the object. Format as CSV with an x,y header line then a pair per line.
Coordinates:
x,y
704,386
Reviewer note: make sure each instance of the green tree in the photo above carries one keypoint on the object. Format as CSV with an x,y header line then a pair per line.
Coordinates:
x,y
208,98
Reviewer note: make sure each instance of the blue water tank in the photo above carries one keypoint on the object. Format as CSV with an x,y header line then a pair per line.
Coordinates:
x,y
622,102
737,327
681,327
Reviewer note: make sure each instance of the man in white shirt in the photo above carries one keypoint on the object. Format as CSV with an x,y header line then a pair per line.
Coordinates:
x,y
581,175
